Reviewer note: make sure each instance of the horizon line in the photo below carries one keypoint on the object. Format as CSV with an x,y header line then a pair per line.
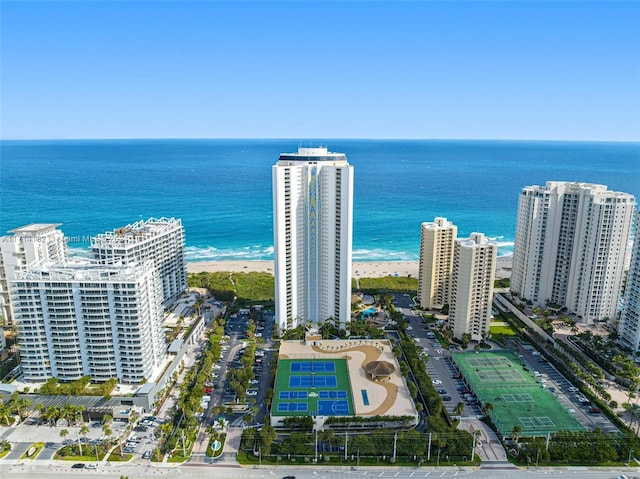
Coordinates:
x,y
321,139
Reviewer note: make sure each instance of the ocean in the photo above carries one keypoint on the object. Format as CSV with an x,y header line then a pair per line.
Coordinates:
x,y
221,189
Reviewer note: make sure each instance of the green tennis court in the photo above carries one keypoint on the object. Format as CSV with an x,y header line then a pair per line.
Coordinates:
x,y
308,387
500,379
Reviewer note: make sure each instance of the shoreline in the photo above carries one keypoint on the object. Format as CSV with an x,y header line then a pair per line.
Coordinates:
x,y
361,269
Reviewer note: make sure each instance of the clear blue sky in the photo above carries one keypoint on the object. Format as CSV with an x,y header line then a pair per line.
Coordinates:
x,y
205,69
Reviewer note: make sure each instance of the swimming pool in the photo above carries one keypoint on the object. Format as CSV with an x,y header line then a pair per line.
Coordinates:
x,y
368,312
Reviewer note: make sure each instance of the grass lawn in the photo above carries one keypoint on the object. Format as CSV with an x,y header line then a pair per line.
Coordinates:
x,y
76,458
499,328
38,446
211,452
114,457
388,283
338,459
5,452
176,455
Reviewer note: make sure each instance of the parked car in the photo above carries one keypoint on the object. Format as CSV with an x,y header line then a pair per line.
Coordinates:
x,y
93,465
147,455
78,465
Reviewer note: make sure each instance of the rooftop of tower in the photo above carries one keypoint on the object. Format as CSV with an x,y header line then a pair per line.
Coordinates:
x,y
35,228
82,270
313,154
135,233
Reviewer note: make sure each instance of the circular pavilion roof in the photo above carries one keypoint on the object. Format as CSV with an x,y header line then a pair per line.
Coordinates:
x,y
380,368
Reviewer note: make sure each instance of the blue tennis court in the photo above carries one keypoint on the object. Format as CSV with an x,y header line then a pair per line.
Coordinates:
x,y
333,408
312,367
313,381
293,395
292,406
332,394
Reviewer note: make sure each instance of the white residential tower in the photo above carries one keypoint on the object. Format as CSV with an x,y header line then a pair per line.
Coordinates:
x,y
159,240
570,245
312,222
437,240
80,319
629,329
474,268
32,243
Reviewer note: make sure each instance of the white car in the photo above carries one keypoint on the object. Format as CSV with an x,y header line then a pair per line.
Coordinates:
x,y
436,382
252,393
93,465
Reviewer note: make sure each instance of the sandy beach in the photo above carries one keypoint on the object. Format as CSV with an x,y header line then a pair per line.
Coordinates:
x,y
369,269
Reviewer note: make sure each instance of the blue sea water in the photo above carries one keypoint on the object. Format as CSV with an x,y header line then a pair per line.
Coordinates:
x,y
222,188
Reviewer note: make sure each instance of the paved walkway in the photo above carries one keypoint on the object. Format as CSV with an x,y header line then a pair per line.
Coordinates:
x,y
488,446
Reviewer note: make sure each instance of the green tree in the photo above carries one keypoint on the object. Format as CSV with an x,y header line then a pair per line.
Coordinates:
x,y
64,433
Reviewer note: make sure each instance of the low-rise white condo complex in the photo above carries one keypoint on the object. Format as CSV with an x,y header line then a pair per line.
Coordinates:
x,y
159,240
570,246
312,223
39,242
80,319
437,240
629,329
471,296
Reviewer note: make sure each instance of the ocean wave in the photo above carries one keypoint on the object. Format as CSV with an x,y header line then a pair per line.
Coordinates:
x,y
79,252
265,253
246,253
382,255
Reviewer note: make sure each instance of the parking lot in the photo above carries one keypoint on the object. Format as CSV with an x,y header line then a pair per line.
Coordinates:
x,y
232,353
448,382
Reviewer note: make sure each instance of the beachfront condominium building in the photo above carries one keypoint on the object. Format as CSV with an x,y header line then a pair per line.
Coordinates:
x,y
570,246
471,297
312,223
80,319
159,240
629,328
437,240
28,244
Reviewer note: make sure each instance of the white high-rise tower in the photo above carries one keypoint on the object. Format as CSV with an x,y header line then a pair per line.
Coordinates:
x,y
437,241
474,271
312,222
629,329
34,243
570,246
160,240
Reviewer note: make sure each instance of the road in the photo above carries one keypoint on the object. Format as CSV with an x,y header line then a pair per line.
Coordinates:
x,y
218,472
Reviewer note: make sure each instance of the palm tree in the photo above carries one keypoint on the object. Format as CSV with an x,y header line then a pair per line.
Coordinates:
x,y
79,442
18,404
458,409
487,408
39,408
64,433
634,415
515,431
5,413
84,430
67,412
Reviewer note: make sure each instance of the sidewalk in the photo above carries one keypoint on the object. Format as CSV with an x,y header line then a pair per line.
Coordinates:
x,y
488,446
